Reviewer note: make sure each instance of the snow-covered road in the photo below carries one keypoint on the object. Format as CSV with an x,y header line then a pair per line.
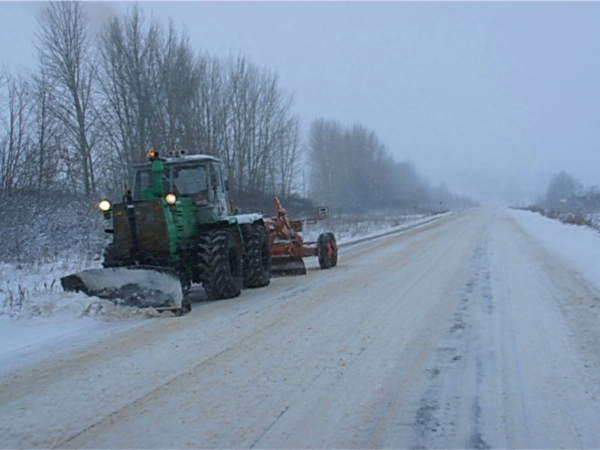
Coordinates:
x,y
464,332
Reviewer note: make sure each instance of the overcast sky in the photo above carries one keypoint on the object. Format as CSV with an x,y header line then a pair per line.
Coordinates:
x,y
491,98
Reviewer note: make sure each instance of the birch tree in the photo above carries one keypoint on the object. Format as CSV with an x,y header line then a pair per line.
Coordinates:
x,y
128,52
262,134
15,143
45,134
64,53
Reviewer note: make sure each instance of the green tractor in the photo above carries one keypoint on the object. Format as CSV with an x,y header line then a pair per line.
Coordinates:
x,y
177,227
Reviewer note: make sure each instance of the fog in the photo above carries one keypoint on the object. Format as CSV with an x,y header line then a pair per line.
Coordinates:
x,y
490,98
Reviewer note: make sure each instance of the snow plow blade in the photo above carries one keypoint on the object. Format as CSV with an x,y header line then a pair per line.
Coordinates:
x,y
287,265
139,286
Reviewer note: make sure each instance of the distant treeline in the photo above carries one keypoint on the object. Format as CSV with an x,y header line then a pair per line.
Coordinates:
x,y
95,105
567,194
352,169
569,201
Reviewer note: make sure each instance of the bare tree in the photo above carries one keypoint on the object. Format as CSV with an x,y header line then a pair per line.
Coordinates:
x,y
174,84
15,143
210,109
562,191
262,134
285,161
128,52
64,53
351,168
154,92
325,150
408,190
45,138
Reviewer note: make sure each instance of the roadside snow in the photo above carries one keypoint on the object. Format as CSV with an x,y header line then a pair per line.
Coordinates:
x,y
21,340
351,229
36,316
578,245
49,323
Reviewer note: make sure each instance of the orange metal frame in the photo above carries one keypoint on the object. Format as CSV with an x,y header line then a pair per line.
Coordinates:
x,y
284,235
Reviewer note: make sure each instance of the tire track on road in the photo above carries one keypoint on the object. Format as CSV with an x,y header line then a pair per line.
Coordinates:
x,y
434,344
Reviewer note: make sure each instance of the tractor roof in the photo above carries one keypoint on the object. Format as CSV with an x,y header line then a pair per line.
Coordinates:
x,y
181,159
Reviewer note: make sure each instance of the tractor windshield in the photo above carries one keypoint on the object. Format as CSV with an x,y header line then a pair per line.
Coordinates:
x,y
144,180
184,181
190,180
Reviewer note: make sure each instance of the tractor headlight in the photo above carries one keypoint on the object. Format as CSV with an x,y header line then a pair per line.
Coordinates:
x,y
171,199
105,205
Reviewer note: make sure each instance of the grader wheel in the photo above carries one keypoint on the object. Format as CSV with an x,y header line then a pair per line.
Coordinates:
x,y
327,250
334,249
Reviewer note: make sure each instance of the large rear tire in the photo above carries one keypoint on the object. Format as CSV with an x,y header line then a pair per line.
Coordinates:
x,y
257,258
220,261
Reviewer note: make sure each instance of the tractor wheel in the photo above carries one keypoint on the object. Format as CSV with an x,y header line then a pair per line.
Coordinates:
x,y
257,259
335,250
220,261
186,306
111,257
323,244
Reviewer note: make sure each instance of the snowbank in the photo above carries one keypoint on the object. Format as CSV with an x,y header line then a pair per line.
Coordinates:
x,y
350,231
578,245
49,322
76,305
21,282
37,317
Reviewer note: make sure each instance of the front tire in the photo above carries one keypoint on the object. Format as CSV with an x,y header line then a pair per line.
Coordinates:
x,y
220,261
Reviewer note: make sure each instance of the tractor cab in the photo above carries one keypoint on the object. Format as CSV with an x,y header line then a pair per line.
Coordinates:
x,y
190,180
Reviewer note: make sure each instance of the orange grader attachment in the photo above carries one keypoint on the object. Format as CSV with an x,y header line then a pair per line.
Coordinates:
x,y
288,248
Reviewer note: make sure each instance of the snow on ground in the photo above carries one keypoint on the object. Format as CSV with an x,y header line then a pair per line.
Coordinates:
x,y
37,316
24,282
51,322
349,229
578,245
458,328
595,219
